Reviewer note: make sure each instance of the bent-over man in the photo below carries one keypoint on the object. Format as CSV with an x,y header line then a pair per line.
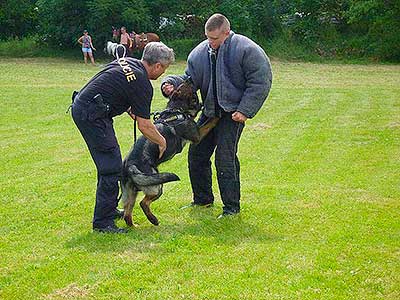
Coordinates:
x,y
123,85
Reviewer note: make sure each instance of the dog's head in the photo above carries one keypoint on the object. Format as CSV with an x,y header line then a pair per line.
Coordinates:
x,y
185,99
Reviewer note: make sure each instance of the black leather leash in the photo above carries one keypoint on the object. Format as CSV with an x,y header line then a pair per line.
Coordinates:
x,y
134,131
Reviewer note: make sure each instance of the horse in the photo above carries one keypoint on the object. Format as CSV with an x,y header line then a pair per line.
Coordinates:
x,y
139,41
115,34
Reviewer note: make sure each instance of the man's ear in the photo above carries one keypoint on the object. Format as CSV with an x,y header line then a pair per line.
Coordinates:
x,y
158,65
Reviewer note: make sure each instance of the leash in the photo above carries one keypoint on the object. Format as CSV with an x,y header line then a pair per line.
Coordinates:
x,y
168,115
134,131
123,53
134,124
74,94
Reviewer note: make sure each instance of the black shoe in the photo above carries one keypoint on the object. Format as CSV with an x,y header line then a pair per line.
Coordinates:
x,y
226,214
193,204
118,214
110,229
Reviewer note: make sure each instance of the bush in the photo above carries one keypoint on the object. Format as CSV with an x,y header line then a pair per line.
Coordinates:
x,y
32,47
182,47
18,18
283,47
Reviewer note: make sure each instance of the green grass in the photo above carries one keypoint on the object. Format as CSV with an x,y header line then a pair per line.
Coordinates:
x,y
320,196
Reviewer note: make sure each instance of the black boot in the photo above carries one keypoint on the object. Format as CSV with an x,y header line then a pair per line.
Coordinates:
x,y
119,214
110,229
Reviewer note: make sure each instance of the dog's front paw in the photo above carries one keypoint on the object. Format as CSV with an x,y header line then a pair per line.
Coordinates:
x,y
128,220
153,220
146,209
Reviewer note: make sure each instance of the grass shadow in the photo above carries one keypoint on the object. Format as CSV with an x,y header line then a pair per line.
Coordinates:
x,y
196,226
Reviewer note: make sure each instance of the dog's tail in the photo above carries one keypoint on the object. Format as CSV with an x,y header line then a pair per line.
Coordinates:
x,y
142,179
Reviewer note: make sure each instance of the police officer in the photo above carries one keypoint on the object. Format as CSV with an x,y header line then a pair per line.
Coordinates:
x,y
122,86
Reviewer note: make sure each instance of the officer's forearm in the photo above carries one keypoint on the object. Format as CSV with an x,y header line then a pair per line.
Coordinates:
x,y
150,131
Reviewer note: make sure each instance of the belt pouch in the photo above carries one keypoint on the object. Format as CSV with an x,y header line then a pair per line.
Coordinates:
x,y
97,108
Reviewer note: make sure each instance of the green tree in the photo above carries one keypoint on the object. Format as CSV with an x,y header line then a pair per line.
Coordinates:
x,y
377,24
62,21
255,18
18,18
105,14
182,19
315,21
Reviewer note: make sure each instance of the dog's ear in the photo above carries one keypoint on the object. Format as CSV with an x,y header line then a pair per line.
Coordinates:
x,y
186,89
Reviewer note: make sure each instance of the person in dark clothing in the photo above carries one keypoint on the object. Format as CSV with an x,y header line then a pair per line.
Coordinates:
x,y
122,86
234,77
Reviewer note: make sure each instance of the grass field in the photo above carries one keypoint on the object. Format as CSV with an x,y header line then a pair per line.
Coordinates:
x,y
320,196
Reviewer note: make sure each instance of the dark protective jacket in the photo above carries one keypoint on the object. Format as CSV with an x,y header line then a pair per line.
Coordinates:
x,y
243,75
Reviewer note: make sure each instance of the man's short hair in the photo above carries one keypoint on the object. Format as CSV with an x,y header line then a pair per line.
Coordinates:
x,y
217,21
158,52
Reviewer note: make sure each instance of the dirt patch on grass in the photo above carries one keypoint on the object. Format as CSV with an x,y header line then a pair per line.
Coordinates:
x,y
259,126
72,291
394,125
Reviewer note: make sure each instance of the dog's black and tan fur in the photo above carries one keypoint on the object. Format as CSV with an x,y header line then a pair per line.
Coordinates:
x,y
176,123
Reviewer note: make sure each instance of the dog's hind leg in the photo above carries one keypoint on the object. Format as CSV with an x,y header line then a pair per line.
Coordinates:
x,y
129,194
206,127
145,205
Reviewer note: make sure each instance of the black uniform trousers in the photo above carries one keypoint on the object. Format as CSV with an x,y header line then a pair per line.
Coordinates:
x,y
103,146
223,139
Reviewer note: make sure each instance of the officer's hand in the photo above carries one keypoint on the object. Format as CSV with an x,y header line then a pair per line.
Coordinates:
x,y
130,113
167,88
237,116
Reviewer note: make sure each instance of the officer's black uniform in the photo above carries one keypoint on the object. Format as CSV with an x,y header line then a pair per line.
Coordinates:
x,y
121,84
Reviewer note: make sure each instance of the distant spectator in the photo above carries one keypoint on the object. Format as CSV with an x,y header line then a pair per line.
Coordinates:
x,y
125,40
86,41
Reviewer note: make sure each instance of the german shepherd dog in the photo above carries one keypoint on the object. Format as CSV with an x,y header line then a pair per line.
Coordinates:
x,y
176,123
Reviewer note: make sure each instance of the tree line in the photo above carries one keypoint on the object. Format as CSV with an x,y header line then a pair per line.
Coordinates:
x,y
355,28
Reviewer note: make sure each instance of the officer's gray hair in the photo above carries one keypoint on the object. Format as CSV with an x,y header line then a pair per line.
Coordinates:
x,y
158,52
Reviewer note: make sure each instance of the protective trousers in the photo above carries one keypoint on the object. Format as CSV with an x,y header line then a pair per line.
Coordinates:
x,y
100,138
224,139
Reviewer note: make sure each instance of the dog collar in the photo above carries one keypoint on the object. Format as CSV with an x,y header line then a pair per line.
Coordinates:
x,y
161,117
179,117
